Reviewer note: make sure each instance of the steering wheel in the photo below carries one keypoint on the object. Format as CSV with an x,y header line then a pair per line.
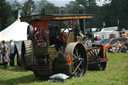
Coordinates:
x,y
63,36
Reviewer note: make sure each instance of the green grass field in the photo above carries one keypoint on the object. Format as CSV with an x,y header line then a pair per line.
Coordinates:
x,y
116,73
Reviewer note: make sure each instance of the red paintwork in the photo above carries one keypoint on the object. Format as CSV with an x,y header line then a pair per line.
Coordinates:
x,y
39,25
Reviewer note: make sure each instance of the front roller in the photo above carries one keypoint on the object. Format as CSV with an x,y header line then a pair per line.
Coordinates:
x,y
78,58
27,54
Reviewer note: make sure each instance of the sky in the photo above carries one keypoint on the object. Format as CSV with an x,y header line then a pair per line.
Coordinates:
x,y
60,2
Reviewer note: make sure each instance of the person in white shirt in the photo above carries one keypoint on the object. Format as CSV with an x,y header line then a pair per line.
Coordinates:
x,y
12,53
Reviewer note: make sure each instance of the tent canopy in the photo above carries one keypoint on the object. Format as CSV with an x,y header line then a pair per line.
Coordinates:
x,y
16,31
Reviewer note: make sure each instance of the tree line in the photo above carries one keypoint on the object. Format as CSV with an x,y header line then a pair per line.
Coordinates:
x,y
114,13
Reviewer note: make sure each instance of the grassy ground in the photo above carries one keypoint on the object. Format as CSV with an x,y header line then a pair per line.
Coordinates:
x,y
116,73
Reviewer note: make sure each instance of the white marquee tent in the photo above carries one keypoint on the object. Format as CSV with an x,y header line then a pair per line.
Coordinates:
x,y
16,31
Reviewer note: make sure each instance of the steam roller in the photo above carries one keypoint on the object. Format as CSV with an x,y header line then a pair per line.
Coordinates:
x,y
56,49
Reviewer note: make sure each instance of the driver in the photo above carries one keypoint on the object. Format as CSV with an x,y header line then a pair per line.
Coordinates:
x,y
63,35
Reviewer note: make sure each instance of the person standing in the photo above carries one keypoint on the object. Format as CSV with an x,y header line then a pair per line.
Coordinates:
x,y
12,53
0,52
112,36
5,56
123,34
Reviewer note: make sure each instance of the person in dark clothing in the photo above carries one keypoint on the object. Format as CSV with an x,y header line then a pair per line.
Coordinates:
x,y
76,33
0,52
125,47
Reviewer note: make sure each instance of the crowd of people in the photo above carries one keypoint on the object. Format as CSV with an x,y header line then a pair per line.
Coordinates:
x,y
118,47
7,53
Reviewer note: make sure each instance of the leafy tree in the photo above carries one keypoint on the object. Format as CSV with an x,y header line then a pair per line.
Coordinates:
x,y
45,7
16,5
119,11
73,7
89,5
10,20
0,24
113,12
5,13
28,7
63,10
50,9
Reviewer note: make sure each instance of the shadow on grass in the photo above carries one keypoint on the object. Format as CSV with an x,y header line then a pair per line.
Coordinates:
x,y
17,69
14,69
20,80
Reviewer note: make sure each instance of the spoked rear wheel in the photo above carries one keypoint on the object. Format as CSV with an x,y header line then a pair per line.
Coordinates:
x,y
94,60
79,58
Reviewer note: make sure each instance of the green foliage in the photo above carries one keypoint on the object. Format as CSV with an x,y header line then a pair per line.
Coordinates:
x,y
16,6
10,20
5,13
119,10
72,6
89,5
108,13
46,7
115,74
28,7
0,24
86,3
112,12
